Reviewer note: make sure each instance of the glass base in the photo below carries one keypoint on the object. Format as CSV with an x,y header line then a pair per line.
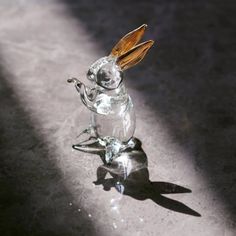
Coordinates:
x,y
107,147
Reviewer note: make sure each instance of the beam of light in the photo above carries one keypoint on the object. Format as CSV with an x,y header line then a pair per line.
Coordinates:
x,y
42,45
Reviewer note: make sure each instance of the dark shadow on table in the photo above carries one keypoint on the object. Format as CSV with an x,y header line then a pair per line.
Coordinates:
x,y
188,77
33,197
130,176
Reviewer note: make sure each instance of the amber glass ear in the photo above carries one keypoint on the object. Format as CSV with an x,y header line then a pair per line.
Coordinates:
x,y
134,55
128,41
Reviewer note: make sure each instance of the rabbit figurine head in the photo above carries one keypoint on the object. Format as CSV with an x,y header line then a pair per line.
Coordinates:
x,y
107,72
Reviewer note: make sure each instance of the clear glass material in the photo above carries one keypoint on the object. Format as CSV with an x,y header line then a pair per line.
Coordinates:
x,y
112,115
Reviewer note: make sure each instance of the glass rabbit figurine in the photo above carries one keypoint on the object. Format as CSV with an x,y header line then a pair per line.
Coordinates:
x,y
112,122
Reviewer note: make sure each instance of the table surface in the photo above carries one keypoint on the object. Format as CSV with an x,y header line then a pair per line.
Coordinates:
x,y
184,96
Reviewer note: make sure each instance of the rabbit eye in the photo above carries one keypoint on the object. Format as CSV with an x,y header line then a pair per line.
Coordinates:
x,y
90,75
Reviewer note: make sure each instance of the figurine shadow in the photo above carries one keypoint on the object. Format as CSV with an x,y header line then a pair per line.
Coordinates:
x,y
129,175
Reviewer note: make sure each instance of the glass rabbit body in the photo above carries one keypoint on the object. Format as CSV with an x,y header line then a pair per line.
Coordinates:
x,y
112,115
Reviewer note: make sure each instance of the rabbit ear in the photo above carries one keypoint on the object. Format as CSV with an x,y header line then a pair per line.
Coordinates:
x,y
128,41
134,55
